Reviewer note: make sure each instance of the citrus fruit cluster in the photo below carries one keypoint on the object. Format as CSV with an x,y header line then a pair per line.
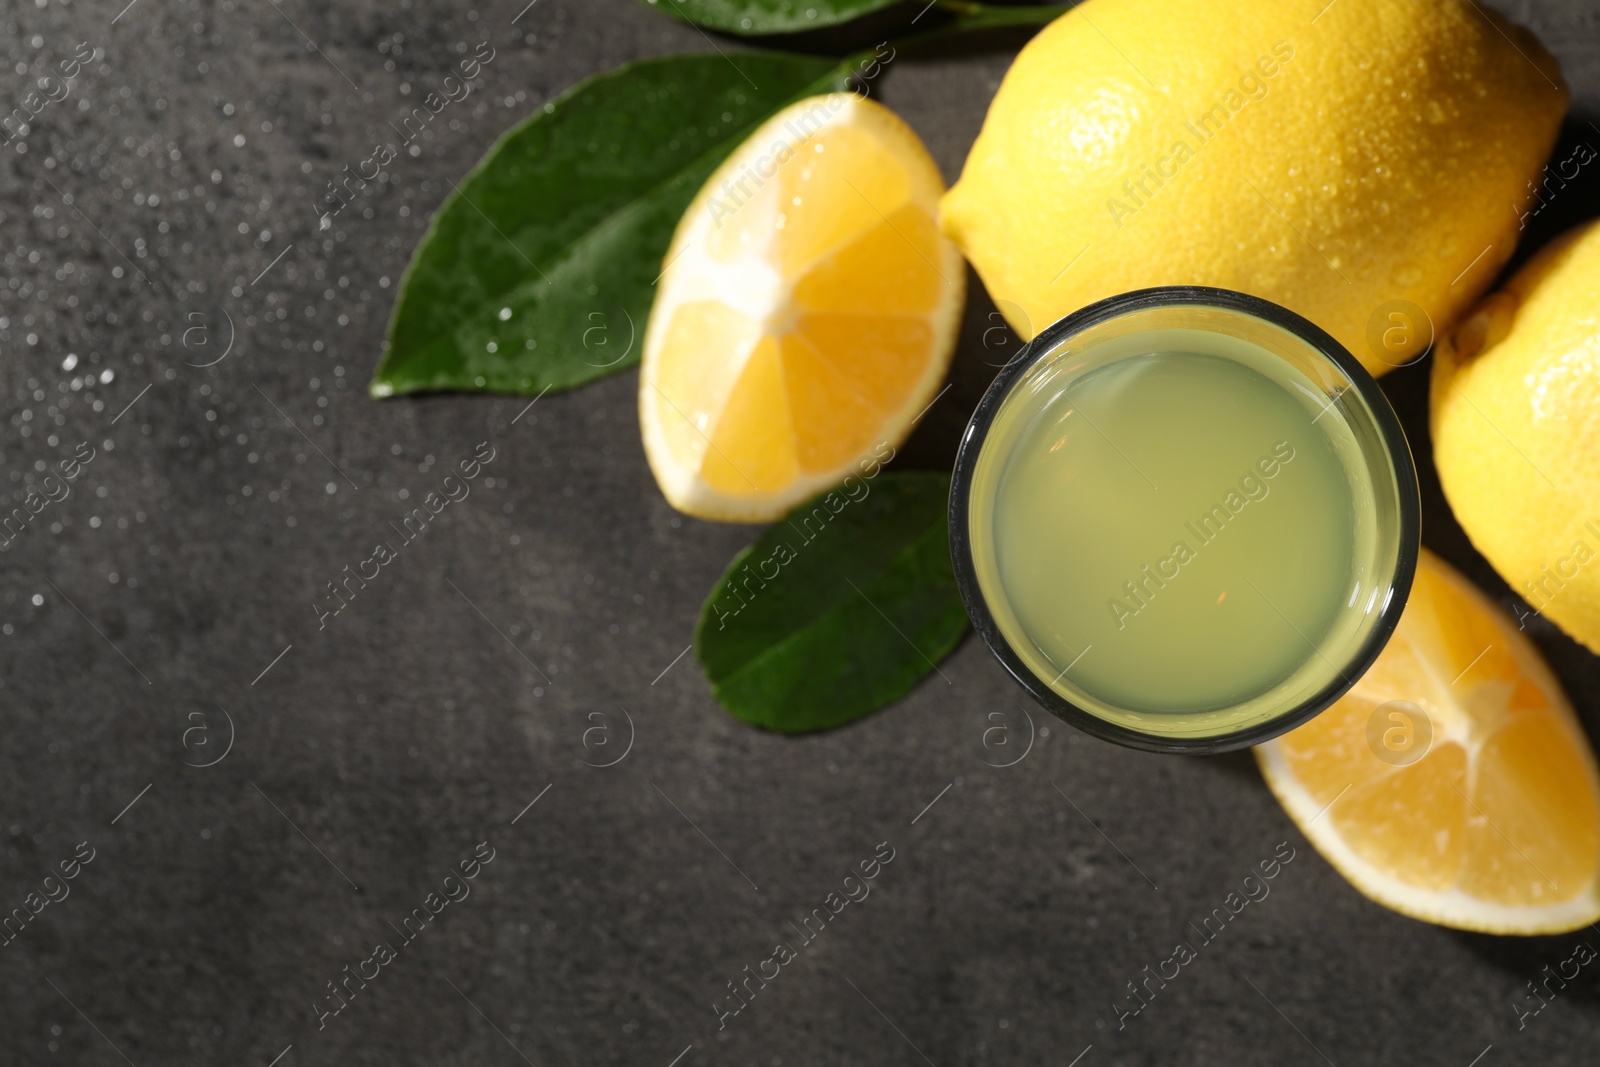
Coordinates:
x,y
1343,162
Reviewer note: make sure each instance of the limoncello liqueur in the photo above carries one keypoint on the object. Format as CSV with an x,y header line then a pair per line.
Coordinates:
x,y
1181,531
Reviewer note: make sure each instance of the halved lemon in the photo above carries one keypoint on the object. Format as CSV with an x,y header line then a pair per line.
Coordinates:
x,y
806,314
1452,783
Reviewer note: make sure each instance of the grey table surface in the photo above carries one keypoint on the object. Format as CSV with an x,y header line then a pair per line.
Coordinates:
x,y
163,609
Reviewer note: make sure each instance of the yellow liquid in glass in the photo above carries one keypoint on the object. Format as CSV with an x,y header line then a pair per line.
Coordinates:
x,y
1174,534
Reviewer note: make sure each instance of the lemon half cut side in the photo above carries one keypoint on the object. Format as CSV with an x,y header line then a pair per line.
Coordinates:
x,y
1452,783
806,314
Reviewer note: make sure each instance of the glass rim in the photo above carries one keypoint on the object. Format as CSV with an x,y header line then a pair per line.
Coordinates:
x,y
1178,296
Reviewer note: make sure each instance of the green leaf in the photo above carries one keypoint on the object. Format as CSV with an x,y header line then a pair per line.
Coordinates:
x,y
538,271
751,17
838,609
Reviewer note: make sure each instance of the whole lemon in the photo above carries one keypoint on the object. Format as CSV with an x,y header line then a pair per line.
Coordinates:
x,y
1516,431
1363,162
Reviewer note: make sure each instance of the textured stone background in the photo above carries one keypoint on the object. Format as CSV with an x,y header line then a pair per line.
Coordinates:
x,y
377,753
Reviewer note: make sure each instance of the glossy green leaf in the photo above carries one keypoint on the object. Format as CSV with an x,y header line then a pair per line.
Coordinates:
x,y
838,609
769,16
538,271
